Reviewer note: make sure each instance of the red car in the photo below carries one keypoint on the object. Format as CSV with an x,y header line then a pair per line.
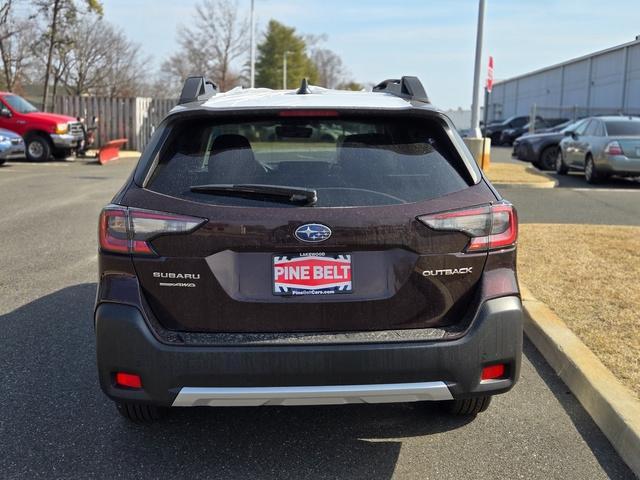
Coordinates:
x,y
45,134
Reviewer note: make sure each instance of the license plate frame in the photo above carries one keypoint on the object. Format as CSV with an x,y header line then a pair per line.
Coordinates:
x,y
326,273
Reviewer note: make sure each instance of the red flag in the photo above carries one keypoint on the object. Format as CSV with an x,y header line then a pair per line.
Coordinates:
x,y
489,84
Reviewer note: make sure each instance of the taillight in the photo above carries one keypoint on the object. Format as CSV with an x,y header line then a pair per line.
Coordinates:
x,y
489,227
129,230
613,148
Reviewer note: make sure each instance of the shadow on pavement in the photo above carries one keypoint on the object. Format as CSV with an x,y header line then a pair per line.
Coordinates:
x,y
576,180
588,430
55,421
51,160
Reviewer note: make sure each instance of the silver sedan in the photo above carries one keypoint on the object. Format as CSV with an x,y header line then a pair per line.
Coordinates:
x,y
11,145
601,147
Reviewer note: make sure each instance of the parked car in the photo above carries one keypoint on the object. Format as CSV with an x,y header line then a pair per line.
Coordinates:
x,y
377,268
494,131
509,135
44,134
11,145
601,147
556,126
541,149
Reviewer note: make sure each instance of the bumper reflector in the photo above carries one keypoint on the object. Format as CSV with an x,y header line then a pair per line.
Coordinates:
x,y
129,380
493,372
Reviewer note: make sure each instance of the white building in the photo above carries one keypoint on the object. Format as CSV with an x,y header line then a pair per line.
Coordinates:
x,y
603,82
460,118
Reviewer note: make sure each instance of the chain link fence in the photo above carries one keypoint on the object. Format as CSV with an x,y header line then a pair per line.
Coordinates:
x,y
576,112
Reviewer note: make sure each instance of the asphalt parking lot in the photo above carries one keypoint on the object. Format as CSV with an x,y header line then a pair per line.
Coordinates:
x,y
614,202
56,423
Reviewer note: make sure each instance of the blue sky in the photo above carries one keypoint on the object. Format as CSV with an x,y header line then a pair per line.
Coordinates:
x,y
434,40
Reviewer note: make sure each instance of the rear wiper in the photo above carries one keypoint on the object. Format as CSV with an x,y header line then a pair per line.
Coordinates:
x,y
300,196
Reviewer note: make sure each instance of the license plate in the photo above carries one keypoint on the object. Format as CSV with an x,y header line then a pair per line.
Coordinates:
x,y
312,274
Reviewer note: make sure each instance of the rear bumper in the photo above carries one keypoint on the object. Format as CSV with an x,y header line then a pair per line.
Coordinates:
x,y
307,373
311,395
621,165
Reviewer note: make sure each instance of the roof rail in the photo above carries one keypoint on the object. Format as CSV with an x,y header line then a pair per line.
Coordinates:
x,y
409,88
197,88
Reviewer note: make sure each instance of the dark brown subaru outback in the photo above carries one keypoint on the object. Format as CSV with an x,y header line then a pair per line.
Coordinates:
x,y
306,247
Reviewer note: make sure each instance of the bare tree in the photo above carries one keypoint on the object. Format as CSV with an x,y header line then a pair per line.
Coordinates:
x,y
87,57
100,60
17,55
15,45
330,68
213,44
61,17
190,59
127,68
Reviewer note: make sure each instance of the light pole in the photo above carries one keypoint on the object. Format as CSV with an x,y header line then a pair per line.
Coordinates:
x,y
475,99
253,49
284,70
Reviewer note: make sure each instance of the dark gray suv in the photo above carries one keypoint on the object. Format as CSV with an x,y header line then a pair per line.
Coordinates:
x,y
251,260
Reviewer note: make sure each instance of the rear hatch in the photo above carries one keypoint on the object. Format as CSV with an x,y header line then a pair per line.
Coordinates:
x,y
309,222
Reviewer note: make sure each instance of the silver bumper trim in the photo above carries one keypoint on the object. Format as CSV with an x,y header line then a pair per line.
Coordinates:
x,y
65,140
311,395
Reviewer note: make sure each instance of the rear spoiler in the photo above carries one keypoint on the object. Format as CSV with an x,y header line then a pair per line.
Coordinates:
x,y
197,88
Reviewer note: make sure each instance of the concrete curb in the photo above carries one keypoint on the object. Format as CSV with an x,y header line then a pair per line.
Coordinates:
x,y
549,184
611,405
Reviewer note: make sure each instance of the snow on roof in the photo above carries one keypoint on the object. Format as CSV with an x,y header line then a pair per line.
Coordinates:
x,y
252,98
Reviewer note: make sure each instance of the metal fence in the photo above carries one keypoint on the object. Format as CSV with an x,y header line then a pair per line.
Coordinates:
x,y
134,118
569,113
574,113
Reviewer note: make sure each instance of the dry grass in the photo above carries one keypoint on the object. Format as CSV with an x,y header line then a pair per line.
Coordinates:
x,y
590,276
515,173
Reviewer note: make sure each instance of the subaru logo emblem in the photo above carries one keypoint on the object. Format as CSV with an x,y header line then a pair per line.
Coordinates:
x,y
312,232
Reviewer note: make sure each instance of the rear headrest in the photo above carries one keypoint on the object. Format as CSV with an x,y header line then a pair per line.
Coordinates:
x,y
232,161
228,142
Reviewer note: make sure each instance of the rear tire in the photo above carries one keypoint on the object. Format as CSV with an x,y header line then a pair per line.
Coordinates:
x,y
561,168
140,412
591,174
38,148
468,406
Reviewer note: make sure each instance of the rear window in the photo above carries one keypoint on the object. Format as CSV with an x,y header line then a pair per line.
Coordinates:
x,y
348,162
623,127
